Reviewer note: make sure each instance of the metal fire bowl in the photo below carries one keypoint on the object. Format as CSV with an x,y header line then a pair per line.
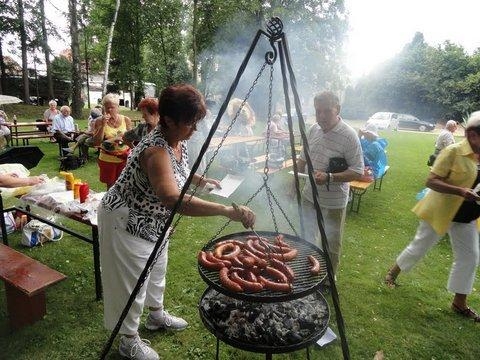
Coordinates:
x,y
304,283
264,346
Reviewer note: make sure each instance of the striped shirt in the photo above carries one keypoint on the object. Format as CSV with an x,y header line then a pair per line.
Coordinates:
x,y
341,141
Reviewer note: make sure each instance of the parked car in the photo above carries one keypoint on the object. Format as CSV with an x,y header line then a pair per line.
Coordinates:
x,y
406,121
384,120
395,121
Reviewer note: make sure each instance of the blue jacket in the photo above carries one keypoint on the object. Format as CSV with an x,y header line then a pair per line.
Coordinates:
x,y
374,155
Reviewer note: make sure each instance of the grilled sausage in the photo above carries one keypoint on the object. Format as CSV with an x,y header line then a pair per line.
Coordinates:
x,y
258,260
288,256
210,257
314,265
230,241
227,251
251,248
202,259
274,286
284,268
245,284
276,274
229,283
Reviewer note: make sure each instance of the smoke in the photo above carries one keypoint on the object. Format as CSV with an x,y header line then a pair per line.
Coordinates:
x,y
223,63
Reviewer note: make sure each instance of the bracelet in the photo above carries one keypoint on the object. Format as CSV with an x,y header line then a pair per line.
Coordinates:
x,y
330,177
327,184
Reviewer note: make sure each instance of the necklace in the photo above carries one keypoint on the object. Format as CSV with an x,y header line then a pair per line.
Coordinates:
x,y
113,122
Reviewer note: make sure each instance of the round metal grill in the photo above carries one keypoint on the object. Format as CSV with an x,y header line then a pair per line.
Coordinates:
x,y
252,330
303,284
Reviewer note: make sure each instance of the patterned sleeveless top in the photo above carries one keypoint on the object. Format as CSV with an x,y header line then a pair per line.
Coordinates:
x,y
146,215
110,133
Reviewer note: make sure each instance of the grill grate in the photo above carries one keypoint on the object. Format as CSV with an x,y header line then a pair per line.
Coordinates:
x,y
303,284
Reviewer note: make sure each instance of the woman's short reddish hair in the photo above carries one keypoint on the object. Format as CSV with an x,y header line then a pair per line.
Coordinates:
x,y
182,103
150,104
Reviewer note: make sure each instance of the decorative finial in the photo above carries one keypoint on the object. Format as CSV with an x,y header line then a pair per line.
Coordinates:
x,y
275,27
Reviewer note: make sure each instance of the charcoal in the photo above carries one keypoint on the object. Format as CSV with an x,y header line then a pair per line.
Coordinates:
x,y
266,324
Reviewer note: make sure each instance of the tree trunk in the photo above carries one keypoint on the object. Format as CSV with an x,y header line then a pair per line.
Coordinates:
x,y
109,48
77,104
194,43
23,41
2,70
46,50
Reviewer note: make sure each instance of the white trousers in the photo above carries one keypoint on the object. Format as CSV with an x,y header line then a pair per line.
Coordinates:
x,y
123,258
334,223
465,246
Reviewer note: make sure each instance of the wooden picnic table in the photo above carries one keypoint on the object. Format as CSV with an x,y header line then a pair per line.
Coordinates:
x,y
27,130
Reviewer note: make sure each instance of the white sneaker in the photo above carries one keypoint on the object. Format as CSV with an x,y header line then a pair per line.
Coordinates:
x,y
136,348
166,321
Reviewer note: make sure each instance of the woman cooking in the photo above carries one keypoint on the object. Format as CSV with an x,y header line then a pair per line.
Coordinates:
x,y
133,213
107,135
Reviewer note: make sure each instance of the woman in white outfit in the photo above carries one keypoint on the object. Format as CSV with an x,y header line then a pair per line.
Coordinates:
x,y
450,206
132,216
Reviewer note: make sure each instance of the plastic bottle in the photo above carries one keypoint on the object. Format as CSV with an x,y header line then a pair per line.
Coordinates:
x,y
76,189
69,179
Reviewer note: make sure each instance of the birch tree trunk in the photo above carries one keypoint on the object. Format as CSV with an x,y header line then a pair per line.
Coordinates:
x,y
109,48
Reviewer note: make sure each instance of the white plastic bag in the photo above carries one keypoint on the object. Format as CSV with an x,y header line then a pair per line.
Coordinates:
x,y
36,233
9,222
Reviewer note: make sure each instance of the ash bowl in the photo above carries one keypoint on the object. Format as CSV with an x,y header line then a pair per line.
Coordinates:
x,y
277,327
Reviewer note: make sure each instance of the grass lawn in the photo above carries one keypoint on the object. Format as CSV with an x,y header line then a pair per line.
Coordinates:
x,y
413,321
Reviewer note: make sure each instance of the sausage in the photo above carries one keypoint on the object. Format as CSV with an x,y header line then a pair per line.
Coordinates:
x,y
247,261
274,286
229,283
284,268
276,274
230,241
288,256
280,242
258,260
236,262
227,251
245,284
251,248
314,265
280,249
249,276
210,257
202,259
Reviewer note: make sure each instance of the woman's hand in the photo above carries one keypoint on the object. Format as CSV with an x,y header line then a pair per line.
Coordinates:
x,y
205,182
35,180
242,214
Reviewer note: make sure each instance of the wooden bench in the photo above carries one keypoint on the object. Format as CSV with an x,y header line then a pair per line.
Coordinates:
x,y
25,131
359,188
25,282
259,165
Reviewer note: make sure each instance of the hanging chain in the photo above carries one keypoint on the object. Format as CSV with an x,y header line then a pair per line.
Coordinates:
x,y
269,122
267,151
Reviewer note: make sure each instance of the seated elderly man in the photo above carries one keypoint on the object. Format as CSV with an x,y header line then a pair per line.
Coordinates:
x,y
63,128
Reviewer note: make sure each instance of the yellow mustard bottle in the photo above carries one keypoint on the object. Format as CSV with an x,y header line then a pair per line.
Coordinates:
x,y
69,179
